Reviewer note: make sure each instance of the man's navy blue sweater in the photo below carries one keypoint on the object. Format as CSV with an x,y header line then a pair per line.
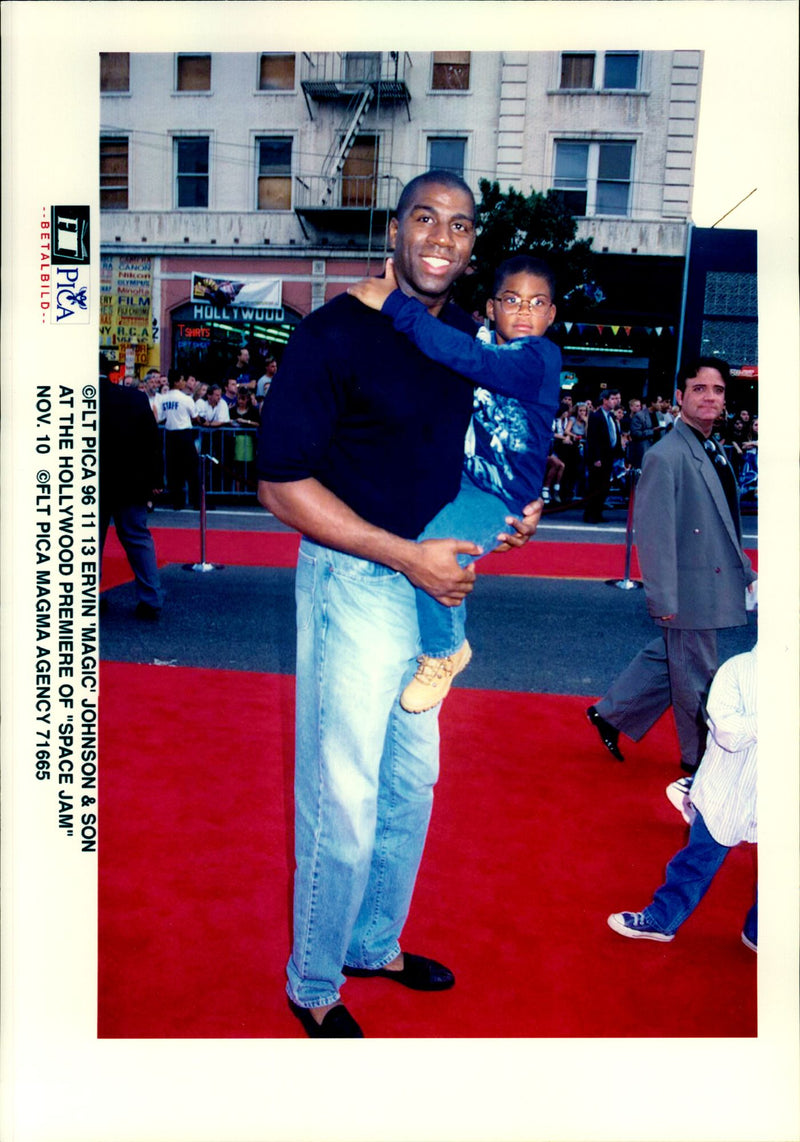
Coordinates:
x,y
358,407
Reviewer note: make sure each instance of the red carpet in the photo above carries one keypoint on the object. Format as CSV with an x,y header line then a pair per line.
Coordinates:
x,y
536,837
279,549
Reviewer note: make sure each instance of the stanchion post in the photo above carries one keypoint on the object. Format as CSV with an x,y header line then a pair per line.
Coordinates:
x,y
628,584
203,565
203,459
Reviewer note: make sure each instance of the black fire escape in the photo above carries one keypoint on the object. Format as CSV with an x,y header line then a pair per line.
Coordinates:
x,y
353,97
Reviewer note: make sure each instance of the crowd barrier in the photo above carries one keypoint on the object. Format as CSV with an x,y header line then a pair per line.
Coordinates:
x,y
230,467
229,455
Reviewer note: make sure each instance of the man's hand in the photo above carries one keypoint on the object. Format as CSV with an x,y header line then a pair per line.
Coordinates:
x,y
433,567
524,528
373,292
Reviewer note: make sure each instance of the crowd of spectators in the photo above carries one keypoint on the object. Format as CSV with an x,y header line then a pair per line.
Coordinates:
x,y
231,382
181,404
641,425
235,401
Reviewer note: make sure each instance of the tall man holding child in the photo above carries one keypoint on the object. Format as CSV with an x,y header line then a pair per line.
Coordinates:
x,y
361,444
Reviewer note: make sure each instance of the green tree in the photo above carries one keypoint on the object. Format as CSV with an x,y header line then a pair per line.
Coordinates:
x,y
512,223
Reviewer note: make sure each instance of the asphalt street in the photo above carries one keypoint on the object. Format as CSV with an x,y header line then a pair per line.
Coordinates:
x,y
556,636
558,524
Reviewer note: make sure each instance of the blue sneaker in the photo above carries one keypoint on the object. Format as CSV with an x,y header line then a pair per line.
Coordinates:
x,y
637,925
748,943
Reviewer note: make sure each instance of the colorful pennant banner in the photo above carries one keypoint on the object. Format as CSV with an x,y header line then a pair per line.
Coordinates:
x,y
627,330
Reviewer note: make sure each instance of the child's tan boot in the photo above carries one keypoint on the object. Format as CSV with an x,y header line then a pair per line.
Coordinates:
x,y
431,683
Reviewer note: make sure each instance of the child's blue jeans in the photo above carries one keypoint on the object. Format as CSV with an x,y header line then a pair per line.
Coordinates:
x,y
473,515
689,875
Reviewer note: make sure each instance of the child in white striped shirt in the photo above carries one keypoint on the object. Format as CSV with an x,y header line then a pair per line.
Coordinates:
x,y
722,809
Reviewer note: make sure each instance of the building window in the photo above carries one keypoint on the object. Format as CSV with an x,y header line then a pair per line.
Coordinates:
x,y
571,175
359,188
447,154
616,71
115,71
362,67
194,73
113,172
614,164
577,70
621,71
450,71
276,71
274,173
594,178
191,173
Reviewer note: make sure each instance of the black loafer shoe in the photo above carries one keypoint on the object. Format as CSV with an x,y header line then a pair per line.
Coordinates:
x,y
608,735
337,1024
418,972
147,613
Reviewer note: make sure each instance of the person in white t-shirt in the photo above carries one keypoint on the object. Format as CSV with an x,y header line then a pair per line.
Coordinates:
x,y
176,411
216,414
264,381
200,402
216,411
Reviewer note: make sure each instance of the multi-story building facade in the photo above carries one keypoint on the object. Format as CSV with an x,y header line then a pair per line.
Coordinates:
x,y
277,172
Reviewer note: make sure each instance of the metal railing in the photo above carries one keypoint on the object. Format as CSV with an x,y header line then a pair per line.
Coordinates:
x,y
347,192
345,68
231,472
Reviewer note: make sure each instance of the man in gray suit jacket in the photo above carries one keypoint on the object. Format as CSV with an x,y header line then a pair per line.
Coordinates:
x,y
645,432
686,520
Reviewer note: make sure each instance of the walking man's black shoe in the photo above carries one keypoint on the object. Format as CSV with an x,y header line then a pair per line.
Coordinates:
x,y
608,735
337,1024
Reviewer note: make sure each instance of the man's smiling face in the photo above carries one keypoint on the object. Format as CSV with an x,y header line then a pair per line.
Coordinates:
x,y
433,242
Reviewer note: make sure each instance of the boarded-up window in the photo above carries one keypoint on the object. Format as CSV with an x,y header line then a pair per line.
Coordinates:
x,y
450,71
577,70
115,71
113,172
274,173
359,172
362,67
194,73
276,71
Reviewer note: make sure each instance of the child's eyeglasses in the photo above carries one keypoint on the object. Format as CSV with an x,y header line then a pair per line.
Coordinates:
x,y
510,303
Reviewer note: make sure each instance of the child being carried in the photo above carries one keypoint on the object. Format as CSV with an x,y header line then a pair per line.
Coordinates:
x,y
517,375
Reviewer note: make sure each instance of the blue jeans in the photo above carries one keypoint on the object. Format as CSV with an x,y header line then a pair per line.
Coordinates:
x,y
364,770
689,875
473,515
130,521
